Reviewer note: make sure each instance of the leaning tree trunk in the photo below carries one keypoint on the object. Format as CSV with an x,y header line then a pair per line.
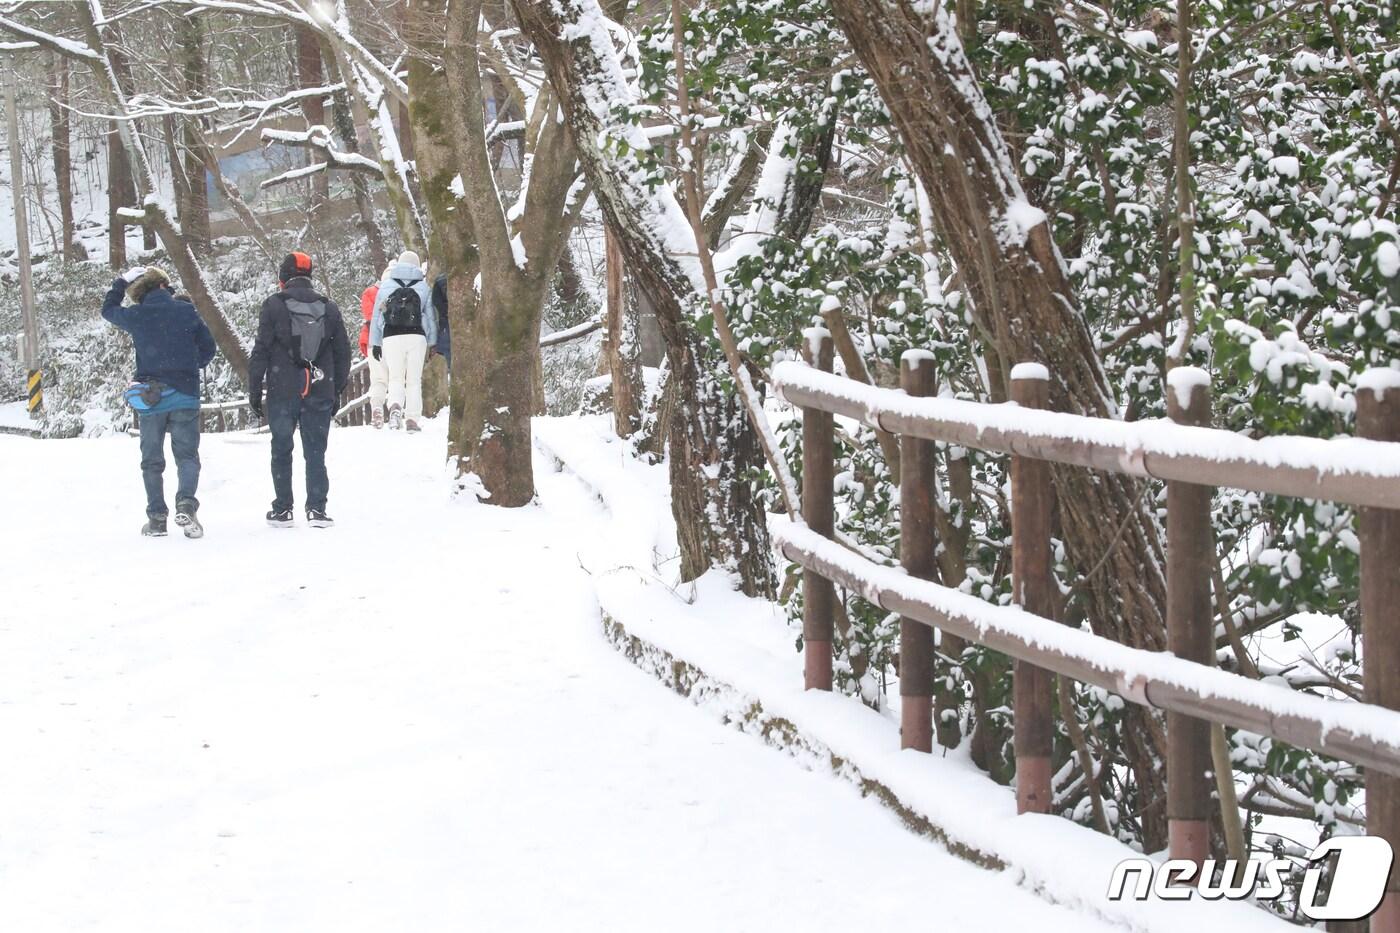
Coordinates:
x,y
713,447
1018,282
106,67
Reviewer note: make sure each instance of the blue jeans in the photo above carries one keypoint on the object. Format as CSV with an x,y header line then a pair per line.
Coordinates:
x,y
182,425
313,417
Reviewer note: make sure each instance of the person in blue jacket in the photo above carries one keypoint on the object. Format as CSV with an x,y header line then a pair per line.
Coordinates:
x,y
172,346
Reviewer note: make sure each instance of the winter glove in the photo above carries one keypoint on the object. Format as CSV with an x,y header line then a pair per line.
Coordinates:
x,y
255,405
432,352
132,274
378,353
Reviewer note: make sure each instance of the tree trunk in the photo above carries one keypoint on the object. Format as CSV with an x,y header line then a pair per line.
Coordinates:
x,y
119,195
713,447
194,219
620,345
453,238
311,74
179,183
1019,285
108,70
62,155
518,259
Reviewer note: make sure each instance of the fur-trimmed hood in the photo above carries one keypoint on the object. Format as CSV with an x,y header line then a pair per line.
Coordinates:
x,y
151,279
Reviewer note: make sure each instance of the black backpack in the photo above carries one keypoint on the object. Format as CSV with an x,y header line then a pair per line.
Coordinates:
x,y
308,328
403,310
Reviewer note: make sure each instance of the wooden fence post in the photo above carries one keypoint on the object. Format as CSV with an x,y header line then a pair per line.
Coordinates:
x,y
1378,418
1033,589
916,553
1190,627
818,465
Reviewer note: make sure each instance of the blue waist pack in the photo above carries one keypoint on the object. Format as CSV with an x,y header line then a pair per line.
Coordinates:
x,y
145,396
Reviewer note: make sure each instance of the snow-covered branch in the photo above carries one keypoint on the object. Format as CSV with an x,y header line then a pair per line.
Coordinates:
x,y
53,43
320,139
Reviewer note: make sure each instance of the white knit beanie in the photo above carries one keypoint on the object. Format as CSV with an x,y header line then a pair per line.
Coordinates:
x,y
409,258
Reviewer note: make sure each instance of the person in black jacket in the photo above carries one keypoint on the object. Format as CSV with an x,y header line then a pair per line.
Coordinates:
x,y
303,353
444,335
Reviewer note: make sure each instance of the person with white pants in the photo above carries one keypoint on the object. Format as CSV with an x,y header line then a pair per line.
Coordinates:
x,y
378,390
401,330
378,372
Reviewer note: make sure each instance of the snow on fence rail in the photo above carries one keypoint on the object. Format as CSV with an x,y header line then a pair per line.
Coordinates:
x,y
1191,458
1347,470
1364,734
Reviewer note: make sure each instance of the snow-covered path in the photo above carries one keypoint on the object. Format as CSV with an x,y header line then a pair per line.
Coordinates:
x,y
291,731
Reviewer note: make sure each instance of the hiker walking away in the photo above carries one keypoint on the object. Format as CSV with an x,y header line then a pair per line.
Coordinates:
x,y
172,346
402,329
443,347
378,372
303,355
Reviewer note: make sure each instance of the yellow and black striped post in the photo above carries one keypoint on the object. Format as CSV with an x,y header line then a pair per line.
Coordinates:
x,y
36,392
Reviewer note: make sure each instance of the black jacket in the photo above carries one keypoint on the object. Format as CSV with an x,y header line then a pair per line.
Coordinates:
x,y
274,361
444,341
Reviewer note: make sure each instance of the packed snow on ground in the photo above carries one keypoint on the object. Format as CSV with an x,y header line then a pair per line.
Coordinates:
x,y
408,722
16,415
745,649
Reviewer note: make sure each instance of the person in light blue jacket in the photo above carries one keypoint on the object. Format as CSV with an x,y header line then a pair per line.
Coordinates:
x,y
402,329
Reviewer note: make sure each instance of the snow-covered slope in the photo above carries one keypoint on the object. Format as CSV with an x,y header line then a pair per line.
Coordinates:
x,y
408,722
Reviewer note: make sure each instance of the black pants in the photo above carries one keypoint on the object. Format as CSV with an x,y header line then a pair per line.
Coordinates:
x,y
313,417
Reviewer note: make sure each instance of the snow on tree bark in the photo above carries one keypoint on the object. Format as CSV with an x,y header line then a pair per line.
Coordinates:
x,y
713,448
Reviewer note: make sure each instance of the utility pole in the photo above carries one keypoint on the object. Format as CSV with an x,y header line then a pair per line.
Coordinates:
x,y
29,346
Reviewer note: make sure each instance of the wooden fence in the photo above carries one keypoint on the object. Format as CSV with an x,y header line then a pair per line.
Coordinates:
x,y
218,417
1191,458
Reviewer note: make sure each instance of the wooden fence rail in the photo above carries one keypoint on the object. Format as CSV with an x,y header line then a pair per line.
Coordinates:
x,y
1191,458
218,417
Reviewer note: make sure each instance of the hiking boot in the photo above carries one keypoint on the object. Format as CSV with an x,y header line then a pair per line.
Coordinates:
x,y
282,519
154,527
376,417
413,425
395,418
318,519
191,525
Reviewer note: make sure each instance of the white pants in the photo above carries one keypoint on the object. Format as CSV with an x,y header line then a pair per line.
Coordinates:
x,y
378,383
403,356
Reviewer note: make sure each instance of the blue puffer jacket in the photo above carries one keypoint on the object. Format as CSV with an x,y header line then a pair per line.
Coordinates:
x,y
172,343
413,275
